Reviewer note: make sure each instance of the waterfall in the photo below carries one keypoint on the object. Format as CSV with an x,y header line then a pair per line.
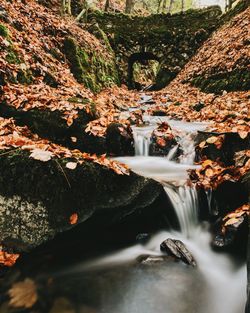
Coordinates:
x,y
216,285
142,137
185,203
183,198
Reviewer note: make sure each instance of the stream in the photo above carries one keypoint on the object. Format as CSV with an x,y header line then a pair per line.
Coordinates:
x,y
120,277
119,283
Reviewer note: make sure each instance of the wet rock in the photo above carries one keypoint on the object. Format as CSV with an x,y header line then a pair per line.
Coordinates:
x,y
86,309
159,113
153,259
178,250
163,141
119,140
248,273
142,238
231,238
37,200
224,149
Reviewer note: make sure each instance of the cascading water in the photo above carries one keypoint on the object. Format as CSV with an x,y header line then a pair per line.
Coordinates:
x,y
215,286
185,202
142,139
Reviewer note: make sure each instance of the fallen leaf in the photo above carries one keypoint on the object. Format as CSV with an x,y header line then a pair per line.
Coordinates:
x,y
73,219
212,139
41,155
8,259
23,294
71,165
243,134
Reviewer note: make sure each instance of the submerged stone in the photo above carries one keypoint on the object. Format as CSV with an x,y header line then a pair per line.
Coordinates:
x,y
178,250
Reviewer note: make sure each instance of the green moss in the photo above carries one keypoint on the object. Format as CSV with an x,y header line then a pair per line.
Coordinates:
x,y
172,38
24,77
240,7
237,80
78,100
89,67
71,52
4,31
12,57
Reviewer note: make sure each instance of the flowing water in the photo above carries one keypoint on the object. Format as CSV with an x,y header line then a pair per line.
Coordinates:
x,y
118,283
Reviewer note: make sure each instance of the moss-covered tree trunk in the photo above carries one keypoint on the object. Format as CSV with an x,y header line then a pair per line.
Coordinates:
x,y
129,6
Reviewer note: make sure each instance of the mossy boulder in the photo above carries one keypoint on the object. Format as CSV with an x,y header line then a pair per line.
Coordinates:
x,y
52,125
38,198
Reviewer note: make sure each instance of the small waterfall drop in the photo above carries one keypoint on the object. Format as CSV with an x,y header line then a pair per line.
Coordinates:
x,y
185,203
142,137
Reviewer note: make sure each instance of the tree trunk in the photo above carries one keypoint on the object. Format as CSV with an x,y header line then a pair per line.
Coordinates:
x,y
182,5
159,6
170,6
66,7
107,4
164,8
129,6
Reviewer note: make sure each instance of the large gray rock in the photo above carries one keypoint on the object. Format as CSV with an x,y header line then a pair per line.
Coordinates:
x,y
38,198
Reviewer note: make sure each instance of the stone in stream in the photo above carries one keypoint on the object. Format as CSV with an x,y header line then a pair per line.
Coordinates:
x,y
163,141
225,149
153,259
119,140
142,238
178,250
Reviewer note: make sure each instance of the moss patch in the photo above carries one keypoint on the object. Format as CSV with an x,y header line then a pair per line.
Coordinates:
x,y
90,67
237,80
4,31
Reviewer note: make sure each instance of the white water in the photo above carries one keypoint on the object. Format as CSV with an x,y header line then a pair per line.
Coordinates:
x,y
216,286
185,201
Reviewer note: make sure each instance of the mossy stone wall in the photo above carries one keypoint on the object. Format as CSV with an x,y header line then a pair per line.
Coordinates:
x,y
90,67
173,39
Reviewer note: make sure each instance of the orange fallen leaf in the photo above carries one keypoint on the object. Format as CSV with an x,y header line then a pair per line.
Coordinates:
x,y
209,172
8,259
73,219
161,142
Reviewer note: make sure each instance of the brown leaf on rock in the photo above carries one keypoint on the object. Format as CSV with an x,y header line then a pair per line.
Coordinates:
x,y
235,218
73,219
7,259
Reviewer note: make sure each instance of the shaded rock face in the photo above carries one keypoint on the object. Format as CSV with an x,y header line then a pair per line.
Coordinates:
x,y
42,207
171,39
163,140
226,151
119,140
232,238
177,249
